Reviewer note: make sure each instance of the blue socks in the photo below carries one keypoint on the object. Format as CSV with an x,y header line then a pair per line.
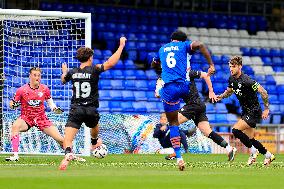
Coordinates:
x,y
175,140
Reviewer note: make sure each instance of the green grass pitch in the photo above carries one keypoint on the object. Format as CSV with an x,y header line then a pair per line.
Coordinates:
x,y
142,171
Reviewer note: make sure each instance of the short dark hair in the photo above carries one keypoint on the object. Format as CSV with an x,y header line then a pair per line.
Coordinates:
x,y
35,69
179,36
84,53
236,60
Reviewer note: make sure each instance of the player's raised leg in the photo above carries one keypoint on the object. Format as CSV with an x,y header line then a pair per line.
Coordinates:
x,y
18,126
208,132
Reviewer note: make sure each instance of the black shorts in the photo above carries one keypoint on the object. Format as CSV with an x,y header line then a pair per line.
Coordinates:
x,y
196,112
83,114
252,118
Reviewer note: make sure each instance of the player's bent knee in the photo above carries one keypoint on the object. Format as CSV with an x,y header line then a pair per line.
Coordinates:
x,y
236,132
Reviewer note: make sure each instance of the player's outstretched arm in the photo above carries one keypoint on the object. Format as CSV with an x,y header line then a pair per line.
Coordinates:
x,y
208,81
228,92
64,72
197,45
116,56
264,96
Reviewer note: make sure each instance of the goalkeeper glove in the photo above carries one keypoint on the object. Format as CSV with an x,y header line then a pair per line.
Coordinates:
x,y
57,110
15,105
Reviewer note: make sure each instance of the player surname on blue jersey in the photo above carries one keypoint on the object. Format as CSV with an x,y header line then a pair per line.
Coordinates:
x,y
173,58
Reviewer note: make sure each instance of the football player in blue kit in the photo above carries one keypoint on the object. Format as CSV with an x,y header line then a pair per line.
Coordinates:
x,y
174,58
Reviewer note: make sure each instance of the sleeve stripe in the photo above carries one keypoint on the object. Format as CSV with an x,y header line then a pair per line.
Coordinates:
x,y
255,86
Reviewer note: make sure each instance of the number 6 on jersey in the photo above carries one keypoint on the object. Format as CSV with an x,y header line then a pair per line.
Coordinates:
x,y
171,61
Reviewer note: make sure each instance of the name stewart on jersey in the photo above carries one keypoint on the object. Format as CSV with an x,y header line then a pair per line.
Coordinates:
x,y
81,76
85,85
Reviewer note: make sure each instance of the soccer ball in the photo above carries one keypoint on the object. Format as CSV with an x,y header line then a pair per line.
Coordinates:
x,y
100,151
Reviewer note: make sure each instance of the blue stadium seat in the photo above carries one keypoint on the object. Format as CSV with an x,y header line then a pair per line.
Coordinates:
x,y
119,65
271,89
127,106
129,74
151,96
117,74
152,85
132,54
152,46
98,54
275,52
267,61
232,118
219,88
151,74
130,85
115,106
152,107
139,106
221,118
224,129
281,98
115,94
141,46
276,61
140,95
281,107
210,108
276,119
106,54
280,89
221,108
128,95
141,85
273,99
104,95
104,106
106,75
246,51
117,84
274,108
254,52
96,61
140,74
131,45
264,52
266,121
211,118
105,84
270,80
129,64
142,37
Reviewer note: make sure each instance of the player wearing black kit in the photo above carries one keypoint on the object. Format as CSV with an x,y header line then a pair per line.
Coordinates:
x,y
84,101
195,108
246,91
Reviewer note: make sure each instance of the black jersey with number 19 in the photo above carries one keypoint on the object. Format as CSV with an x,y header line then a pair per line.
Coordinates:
x,y
85,85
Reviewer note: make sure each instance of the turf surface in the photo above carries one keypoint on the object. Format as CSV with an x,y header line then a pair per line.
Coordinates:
x,y
142,171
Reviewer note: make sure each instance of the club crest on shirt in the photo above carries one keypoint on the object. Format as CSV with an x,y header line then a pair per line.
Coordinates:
x,y
239,85
40,94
